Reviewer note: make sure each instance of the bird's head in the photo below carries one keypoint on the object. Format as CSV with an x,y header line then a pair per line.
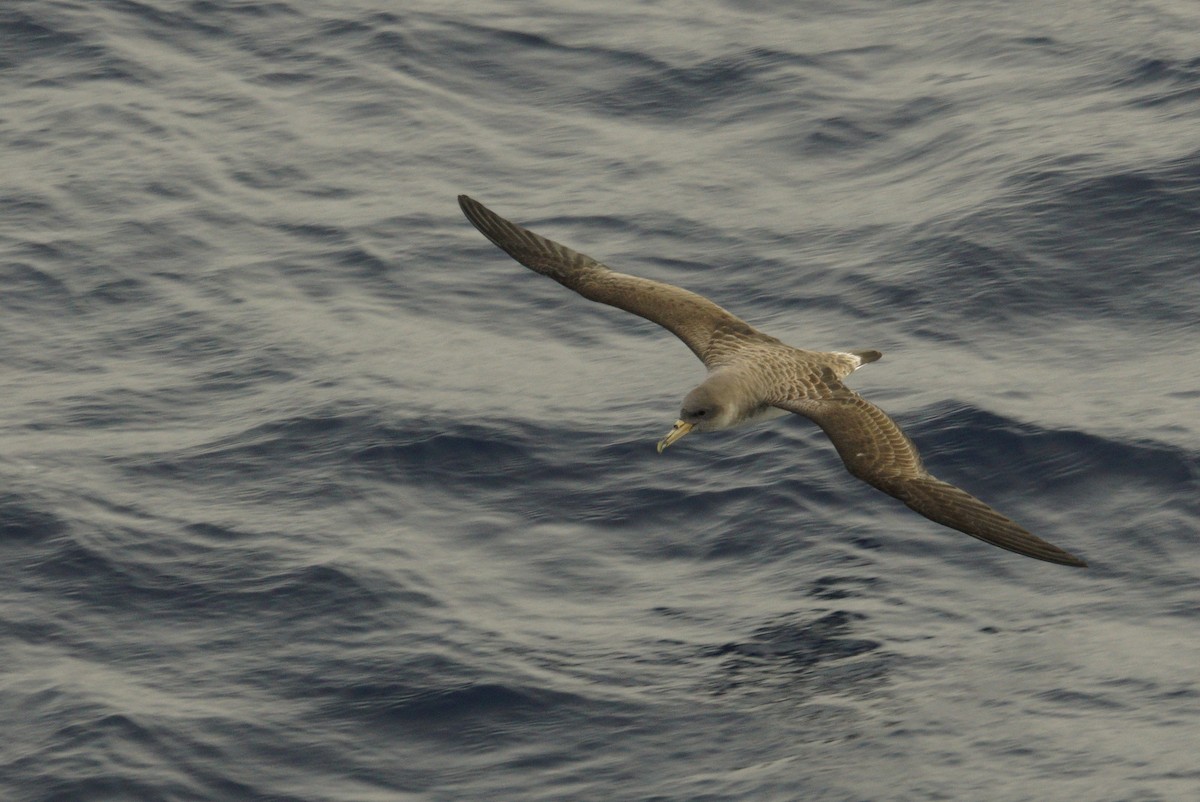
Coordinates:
x,y
710,406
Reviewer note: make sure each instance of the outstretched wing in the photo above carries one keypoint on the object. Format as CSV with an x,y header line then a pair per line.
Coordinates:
x,y
699,322
878,452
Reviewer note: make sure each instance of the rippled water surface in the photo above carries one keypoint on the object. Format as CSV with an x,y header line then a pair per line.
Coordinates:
x,y
310,493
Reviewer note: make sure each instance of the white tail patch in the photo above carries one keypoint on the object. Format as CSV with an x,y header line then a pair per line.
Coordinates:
x,y
859,358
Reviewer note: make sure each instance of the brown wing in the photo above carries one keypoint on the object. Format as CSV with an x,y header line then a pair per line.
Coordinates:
x,y
878,452
690,317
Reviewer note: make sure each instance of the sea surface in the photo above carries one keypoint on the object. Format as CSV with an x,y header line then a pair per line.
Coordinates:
x,y
309,493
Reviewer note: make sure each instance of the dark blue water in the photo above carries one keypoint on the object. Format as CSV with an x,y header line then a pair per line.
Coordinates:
x,y
310,493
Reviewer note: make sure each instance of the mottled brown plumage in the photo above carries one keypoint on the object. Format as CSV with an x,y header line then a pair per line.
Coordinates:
x,y
753,376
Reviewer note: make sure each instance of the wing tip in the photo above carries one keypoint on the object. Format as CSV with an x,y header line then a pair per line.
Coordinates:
x,y
1072,561
500,231
468,204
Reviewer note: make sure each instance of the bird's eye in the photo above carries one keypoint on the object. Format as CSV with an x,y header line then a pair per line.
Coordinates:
x,y
700,413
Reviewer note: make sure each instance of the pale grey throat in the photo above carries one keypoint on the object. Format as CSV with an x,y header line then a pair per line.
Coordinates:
x,y
753,376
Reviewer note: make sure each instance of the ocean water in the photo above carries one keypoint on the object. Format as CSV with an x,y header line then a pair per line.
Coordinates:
x,y
310,493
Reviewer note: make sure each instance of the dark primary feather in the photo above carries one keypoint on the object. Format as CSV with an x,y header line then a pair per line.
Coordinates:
x,y
957,509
